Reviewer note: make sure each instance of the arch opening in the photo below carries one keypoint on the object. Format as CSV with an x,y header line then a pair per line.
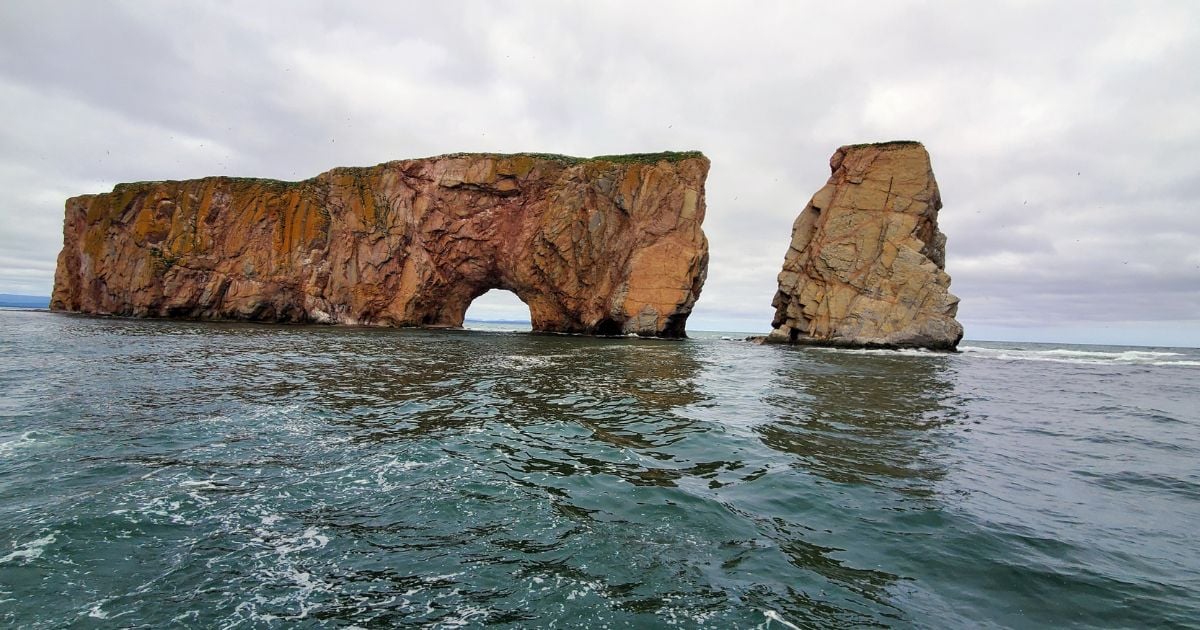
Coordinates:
x,y
498,309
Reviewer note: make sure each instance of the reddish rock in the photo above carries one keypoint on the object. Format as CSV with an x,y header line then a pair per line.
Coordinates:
x,y
609,245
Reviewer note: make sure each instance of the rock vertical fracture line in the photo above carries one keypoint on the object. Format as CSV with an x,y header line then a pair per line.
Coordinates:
x,y
607,245
866,265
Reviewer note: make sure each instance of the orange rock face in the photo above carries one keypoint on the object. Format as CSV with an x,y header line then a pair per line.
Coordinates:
x,y
866,266
607,245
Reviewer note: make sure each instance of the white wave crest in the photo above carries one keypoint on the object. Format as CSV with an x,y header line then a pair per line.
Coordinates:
x,y
913,352
31,550
28,439
1089,357
771,615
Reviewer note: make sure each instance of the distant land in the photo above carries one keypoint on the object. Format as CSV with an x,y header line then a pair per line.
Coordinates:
x,y
24,301
10,300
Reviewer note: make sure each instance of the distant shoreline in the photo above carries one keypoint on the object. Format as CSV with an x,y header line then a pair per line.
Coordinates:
x,y
12,300
42,304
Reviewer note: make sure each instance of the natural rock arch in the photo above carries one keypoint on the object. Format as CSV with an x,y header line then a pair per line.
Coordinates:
x,y
609,245
498,305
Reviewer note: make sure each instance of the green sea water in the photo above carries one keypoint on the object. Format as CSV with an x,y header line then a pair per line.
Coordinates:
x,y
179,474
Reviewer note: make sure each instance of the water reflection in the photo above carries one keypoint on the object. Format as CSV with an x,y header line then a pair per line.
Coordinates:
x,y
551,405
625,470
868,423
861,418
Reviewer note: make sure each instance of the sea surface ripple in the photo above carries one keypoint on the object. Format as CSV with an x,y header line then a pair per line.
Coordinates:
x,y
180,474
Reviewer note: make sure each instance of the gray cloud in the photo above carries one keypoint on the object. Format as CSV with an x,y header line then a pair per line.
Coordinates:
x,y
1064,135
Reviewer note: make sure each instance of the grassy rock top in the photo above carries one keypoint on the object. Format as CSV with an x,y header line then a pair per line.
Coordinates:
x,y
890,144
626,158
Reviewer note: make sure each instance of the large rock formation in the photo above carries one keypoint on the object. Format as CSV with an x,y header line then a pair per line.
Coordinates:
x,y
608,245
866,263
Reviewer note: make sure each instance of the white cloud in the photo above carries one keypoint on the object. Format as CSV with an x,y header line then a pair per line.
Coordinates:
x,y
1063,134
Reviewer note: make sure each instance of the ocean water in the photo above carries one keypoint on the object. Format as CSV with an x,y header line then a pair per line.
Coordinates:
x,y
178,474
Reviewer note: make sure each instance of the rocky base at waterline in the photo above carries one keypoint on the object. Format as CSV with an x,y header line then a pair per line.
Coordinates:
x,y
866,265
608,245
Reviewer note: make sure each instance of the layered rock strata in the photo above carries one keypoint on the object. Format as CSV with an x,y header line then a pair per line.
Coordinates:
x,y
866,265
609,245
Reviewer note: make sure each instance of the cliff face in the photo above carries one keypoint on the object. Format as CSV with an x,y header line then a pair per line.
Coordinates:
x,y
866,262
600,246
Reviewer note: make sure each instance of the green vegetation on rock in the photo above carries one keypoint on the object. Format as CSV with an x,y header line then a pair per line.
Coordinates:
x,y
650,158
626,158
889,143
357,171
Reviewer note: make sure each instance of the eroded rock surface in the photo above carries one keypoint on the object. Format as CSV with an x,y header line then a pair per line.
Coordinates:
x,y
609,245
866,266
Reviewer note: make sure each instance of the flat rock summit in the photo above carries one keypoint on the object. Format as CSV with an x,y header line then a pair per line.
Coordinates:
x,y
866,264
609,245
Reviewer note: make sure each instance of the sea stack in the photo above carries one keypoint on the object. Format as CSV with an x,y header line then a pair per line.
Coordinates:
x,y
866,265
609,245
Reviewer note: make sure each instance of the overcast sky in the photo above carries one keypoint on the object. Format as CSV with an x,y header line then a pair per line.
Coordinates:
x,y
1065,136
